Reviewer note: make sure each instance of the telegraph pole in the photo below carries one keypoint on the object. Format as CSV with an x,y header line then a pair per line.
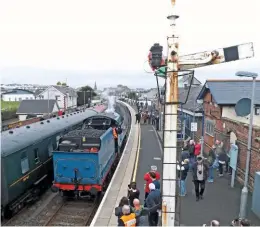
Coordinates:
x,y
170,130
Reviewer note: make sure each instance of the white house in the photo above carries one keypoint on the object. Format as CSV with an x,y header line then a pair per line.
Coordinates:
x,y
17,95
36,108
65,96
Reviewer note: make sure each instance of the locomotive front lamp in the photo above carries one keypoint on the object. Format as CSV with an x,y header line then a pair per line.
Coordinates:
x,y
156,55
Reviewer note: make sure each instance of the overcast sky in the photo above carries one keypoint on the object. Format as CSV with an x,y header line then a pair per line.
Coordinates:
x,y
108,40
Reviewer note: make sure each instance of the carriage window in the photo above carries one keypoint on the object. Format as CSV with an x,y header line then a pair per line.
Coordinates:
x,y
36,156
24,163
50,149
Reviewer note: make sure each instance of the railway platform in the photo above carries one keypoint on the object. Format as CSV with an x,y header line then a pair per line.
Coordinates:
x,y
105,215
221,202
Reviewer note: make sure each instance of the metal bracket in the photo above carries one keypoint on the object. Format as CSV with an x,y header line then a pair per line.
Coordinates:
x,y
186,73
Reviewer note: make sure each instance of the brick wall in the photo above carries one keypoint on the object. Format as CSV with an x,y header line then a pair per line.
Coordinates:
x,y
213,113
222,130
241,132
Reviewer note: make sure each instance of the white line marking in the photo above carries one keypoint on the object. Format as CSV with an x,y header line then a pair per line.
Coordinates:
x,y
157,158
158,140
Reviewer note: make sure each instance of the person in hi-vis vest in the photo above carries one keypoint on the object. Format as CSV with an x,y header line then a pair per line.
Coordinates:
x,y
128,218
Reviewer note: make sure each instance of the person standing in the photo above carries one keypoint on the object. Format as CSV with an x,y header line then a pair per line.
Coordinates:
x,y
128,218
191,151
133,193
137,118
149,180
153,202
118,209
199,172
221,156
185,154
197,149
154,180
211,160
140,212
183,169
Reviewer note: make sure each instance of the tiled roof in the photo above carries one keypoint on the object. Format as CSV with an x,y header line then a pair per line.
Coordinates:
x,y
229,92
64,89
191,103
36,106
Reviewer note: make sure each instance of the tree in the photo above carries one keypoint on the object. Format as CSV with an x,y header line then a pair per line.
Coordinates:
x,y
64,84
132,95
85,95
58,83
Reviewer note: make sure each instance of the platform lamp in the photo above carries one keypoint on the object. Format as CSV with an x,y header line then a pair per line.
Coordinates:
x,y
244,193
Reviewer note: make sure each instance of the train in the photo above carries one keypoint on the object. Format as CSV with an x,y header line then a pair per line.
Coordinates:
x,y
26,158
86,159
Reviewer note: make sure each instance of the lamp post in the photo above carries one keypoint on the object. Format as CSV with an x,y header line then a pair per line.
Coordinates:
x,y
244,193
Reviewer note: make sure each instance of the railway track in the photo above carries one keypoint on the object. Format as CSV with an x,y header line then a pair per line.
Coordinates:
x,y
74,213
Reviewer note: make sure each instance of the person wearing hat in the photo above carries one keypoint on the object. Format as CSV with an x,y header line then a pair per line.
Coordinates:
x,y
148,179
153,202
200,175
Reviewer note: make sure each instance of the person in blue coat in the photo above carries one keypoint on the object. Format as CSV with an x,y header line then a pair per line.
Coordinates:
x,y
153,202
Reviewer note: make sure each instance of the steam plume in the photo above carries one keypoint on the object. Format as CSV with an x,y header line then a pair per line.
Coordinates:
x,y
111,101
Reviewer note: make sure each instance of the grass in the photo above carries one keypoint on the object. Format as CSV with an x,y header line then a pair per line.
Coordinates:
x,y
5,105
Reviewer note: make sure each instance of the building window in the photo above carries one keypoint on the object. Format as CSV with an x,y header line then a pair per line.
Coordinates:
x,y
57,97
210,127
24,163
257,111
36,156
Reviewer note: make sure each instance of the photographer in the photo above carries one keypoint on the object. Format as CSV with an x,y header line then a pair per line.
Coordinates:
x,y
133,193
200,175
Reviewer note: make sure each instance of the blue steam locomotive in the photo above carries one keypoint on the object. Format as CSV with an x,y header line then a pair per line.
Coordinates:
x,y
86,158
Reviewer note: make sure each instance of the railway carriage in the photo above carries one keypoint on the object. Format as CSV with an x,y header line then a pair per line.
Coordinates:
x,y
26,158
86,158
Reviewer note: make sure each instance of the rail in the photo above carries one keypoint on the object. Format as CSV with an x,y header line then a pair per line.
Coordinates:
x,y
71,212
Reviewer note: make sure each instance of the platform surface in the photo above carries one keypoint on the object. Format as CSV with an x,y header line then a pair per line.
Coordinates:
x,y
150,154
221,202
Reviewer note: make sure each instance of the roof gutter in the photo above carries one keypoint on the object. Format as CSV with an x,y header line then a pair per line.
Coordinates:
x,y
190,112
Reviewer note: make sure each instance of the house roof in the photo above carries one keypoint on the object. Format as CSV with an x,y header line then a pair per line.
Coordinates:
x,y
64,89
18,91
229,92
36,106
191,103
38,91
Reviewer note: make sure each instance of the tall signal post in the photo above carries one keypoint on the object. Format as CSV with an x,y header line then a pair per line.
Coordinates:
x,y
170,129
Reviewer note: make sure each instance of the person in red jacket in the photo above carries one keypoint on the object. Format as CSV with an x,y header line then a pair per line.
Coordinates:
x,y
197,149
149,180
